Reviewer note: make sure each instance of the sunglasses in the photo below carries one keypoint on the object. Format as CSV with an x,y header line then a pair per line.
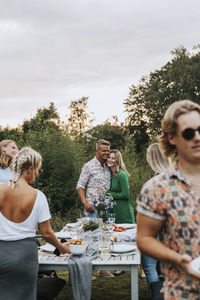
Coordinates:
x,y
189,133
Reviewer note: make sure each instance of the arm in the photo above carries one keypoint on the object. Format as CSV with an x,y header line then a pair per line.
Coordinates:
x,y
49,236
147,231
81,193
124,184
81,184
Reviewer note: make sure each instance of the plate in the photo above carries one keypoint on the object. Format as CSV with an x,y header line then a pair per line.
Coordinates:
x,y
63,235
123,248
71,225
195,265
127,226
124,253
48,248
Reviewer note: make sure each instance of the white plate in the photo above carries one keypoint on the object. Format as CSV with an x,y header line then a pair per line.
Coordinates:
x,y
48,247
195,265
63,235
122,248
127,226
72,225
124,253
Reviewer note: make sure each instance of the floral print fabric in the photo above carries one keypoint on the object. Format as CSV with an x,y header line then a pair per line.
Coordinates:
x,y
95,178
169,197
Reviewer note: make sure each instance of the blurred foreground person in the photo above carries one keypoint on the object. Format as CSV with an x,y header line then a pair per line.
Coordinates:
x,y
168,205
8,149
22,210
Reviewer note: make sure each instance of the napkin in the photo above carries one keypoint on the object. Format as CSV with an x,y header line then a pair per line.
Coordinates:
x,y
80,267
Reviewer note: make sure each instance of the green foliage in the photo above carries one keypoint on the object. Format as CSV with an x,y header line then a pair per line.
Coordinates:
x,y
178,79
78,120
115,134
44,118
57,180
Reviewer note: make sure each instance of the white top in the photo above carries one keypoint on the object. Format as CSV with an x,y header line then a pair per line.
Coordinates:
x,y
11,231
5,174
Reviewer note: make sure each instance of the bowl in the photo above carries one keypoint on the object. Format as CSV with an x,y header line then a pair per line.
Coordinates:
x,y
77,249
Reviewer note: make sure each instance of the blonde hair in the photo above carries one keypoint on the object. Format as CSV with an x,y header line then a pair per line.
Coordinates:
x,y
169,123
23,160
102,143
120,165
156,159
4,159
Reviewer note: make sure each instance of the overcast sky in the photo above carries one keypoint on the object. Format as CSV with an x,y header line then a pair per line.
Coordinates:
x,y
61,50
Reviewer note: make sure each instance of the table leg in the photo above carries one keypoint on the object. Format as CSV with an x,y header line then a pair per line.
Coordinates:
x,y
134,282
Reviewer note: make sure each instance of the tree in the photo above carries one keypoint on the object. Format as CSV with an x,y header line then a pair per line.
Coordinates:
x,y
177,80
115,134
78,120
44,118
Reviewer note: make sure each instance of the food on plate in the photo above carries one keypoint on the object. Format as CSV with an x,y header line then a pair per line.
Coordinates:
x,y
115,228
119,228
76,242
114,238
90,225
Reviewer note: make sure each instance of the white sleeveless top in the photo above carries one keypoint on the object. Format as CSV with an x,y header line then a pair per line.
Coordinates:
x,y
11,231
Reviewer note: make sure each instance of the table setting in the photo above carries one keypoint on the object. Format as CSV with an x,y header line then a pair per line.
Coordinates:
x,y
99,246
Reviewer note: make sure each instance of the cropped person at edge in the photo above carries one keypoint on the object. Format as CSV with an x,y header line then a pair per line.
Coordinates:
x,y
8,149
168,205
22,210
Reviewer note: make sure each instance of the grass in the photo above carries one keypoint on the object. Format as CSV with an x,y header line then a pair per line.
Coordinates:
x,y
107,288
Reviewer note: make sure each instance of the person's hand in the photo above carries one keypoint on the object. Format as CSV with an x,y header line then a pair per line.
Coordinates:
x,y
89,207
65,248
185,264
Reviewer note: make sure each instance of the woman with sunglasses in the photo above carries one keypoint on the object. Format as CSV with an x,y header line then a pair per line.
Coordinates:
x,y
8,149
22,210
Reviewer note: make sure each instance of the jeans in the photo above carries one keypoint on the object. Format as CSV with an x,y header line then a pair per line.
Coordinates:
x,y
149,266
94,214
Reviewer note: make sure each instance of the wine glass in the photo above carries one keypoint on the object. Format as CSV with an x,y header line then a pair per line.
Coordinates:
x,y
111,218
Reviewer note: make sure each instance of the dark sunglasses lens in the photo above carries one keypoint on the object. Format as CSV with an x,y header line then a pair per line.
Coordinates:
x,y
188,133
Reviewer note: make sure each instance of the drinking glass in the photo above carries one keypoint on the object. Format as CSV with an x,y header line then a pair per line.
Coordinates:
x,y
79,227
104,244
111,218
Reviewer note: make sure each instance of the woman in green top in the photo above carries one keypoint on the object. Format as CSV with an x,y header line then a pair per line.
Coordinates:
x,y
120,188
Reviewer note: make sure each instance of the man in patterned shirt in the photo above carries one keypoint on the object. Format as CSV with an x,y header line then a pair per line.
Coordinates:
x,y
96,176
169,203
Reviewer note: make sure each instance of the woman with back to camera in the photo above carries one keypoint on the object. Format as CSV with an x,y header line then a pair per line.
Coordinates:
x,y
120,188
158,163
22,210
8,149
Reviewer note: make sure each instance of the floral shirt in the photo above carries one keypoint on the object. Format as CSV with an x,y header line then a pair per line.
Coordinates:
x,y
169,197
95,177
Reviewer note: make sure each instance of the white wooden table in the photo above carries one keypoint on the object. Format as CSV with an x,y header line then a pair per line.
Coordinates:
x,y
48,261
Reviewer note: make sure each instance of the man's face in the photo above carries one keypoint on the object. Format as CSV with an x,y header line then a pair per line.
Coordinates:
x,y
188,150
103,153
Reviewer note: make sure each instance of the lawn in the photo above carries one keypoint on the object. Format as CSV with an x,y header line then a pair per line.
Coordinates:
x,y
107,288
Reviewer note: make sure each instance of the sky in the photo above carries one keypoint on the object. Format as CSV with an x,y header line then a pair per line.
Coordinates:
x,y
61,50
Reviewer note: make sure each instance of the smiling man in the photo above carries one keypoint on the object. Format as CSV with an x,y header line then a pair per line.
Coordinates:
x,y
168,205
96,176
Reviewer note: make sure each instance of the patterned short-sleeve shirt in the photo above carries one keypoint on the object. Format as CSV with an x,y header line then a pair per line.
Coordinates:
x,y
169,197
95,178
